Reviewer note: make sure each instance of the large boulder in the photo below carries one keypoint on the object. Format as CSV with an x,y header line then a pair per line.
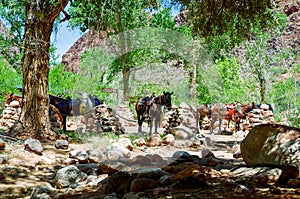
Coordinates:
x,y
272,144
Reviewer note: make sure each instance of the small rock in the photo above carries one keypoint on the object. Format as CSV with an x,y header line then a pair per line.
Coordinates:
x,y
126,142
154,140
95,156
33,145
139,142
141,184
63,137
242,189
207,153
70,161
294,182
2,145
169,139
116,150
61,144
274,190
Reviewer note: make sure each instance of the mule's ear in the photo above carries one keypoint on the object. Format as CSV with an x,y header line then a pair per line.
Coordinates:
x,y
171,93
164,92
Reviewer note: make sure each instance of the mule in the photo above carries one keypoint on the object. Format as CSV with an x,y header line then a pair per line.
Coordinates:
x,y
218,112
237,112
152,108
241,112
89,102
66,107
60,104
54,112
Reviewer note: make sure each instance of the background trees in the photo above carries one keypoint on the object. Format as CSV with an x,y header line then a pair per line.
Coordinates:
x,y
243,65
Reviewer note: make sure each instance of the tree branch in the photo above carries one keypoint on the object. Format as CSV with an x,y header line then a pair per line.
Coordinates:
x,y
67,16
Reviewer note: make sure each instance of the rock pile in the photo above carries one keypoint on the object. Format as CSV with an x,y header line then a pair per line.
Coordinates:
x,y
12,113
101,119
259,116
181,122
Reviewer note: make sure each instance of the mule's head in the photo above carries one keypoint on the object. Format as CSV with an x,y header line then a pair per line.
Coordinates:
x,y
168,100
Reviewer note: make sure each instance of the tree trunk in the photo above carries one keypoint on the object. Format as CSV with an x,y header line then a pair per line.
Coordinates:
x,y
262,84
193,83
40,16
125,71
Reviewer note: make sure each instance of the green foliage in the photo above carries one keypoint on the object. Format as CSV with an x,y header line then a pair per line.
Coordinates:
x,y
285,95
203,93
275,71
162,19
10,81
117,16
61,82
13,13
212,17
95,73
296,69
233,85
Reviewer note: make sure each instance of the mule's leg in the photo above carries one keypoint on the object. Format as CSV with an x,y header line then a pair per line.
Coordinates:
x,y
229,120
64,116
150,122
237,125
211,126
200,122
156,123
140,123
220,124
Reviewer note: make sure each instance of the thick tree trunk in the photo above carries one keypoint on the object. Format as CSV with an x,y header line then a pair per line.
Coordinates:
x,y
40,16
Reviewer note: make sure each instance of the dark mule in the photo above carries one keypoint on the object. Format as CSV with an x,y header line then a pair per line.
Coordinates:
x,y
55,113
67,107
97,101
151,108
203,111
60,104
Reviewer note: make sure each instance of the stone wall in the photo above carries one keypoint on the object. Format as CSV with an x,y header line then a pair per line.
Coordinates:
x,y
12,113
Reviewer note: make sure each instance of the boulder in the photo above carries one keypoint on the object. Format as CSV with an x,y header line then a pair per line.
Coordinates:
x,y
272,144
68,176
154,140
33,145
169,139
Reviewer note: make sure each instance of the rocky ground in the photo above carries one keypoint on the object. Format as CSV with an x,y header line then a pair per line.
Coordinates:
x,y
132,166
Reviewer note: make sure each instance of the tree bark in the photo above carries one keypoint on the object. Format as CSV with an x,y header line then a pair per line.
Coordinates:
x,y
125,71
40,16
193,83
